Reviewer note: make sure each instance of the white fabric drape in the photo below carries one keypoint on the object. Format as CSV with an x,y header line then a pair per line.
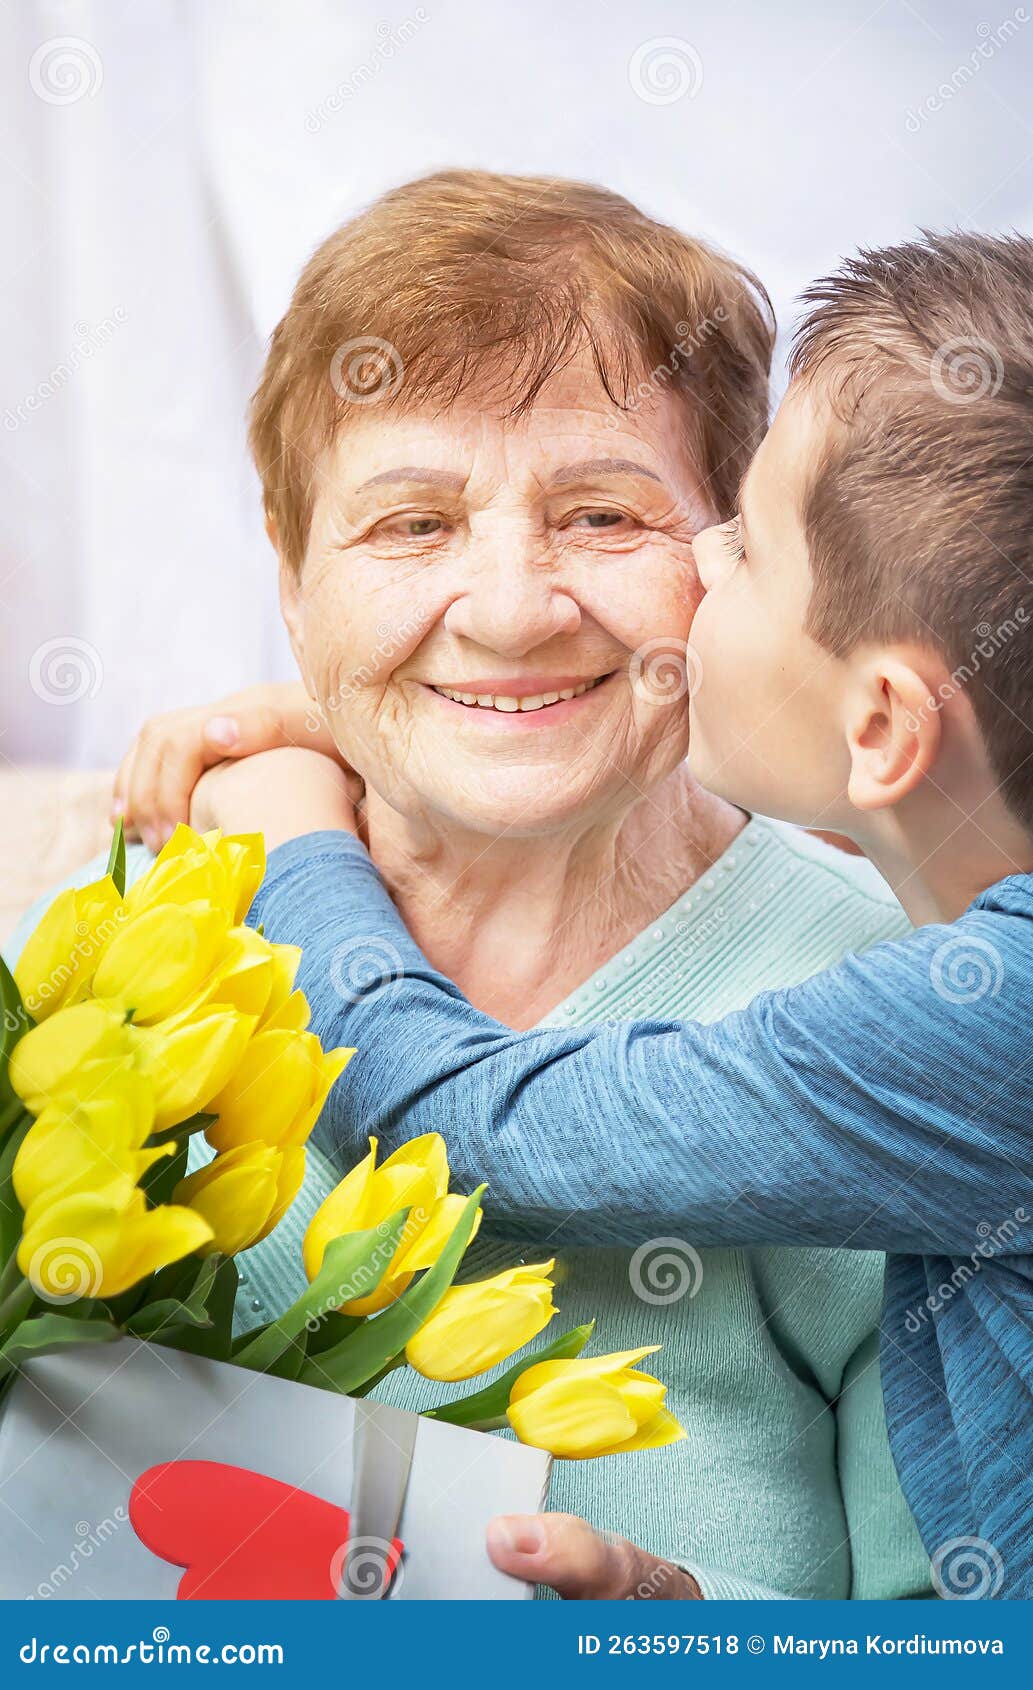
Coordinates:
x,y
166,167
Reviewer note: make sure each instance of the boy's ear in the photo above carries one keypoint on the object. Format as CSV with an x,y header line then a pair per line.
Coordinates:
x,y
893,731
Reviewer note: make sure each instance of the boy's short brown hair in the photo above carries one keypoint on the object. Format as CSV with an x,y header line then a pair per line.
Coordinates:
x,y
466,280
919,517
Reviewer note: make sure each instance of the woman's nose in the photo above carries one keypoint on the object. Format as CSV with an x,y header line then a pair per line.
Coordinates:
x,y
513,609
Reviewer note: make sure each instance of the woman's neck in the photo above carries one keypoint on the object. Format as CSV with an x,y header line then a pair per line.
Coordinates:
x,y
519,923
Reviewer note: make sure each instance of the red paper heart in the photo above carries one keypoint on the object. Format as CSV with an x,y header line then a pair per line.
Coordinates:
x,y
241,1535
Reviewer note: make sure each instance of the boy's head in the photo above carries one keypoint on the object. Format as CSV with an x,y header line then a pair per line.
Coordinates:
x,y
869,612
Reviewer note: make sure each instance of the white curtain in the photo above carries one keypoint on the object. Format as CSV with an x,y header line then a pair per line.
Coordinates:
x,y
166,167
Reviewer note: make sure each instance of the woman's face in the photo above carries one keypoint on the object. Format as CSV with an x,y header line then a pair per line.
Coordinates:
x,y
464,576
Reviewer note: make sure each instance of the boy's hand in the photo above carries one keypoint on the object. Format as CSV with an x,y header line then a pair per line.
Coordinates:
x,y
282,794
171,752
582,1565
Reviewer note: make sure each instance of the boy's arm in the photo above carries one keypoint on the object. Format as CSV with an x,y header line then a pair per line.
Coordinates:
x,y
159,773
863,1107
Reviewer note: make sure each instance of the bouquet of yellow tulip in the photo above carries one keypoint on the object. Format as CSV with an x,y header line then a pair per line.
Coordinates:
x,y
137,1019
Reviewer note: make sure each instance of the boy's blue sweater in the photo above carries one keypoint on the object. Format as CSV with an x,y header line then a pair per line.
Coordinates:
x,y
886,1104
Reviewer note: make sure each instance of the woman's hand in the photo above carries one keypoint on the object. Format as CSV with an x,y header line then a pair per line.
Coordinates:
x,y
282,794
582,1565
169,755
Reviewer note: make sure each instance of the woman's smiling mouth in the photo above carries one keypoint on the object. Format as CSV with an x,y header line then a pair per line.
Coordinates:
x,y
520,695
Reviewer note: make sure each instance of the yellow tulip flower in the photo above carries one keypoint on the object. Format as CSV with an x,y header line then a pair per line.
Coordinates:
x,y
100,1243
476,1326
253,975
415,1177
594,1405
276,1091
242,856
243,1194
286,1007
79,1146
59,958
289,1181
190,1059
47,1062
224,872
161,960
185,871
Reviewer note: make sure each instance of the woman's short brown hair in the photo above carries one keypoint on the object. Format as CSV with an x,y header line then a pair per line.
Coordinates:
x,y
465,280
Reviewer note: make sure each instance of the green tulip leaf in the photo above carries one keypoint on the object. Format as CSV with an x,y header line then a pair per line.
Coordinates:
x,y
215,1337
161,1178
117,859
353,1266
488,1406
48,1332
198,1123
10,1209
289,1364
156,1318
331,1331
14,1021
379,1340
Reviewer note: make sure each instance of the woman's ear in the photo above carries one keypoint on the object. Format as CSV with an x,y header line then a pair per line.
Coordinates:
x,y
293,611
893,729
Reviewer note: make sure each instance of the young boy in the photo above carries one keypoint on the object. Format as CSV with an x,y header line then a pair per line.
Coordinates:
x,y
865,665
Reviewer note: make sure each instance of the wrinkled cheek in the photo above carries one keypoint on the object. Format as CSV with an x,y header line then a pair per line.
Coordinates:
x,y
658,728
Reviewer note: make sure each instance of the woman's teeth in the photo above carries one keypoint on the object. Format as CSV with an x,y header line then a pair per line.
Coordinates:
x,y
507,702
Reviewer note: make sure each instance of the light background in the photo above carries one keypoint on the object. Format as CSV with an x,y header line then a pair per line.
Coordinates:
x,y
167,166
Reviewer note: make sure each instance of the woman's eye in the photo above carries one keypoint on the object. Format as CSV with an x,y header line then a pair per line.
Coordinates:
x,y
413,527
600,519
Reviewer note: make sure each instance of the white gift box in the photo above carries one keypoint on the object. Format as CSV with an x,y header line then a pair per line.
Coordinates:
x,y
128,1470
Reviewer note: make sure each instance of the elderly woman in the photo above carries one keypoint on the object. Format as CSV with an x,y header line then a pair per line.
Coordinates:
x,y
491,422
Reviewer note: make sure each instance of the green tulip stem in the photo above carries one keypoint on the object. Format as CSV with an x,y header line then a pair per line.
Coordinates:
x,y
392,1367
10,1278
15,1306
